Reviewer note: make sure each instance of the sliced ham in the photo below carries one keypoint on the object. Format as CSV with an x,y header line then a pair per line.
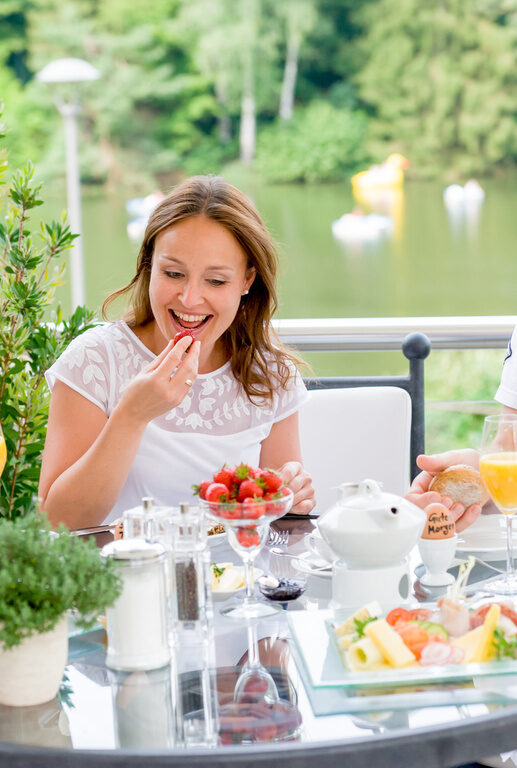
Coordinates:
x,y
454,616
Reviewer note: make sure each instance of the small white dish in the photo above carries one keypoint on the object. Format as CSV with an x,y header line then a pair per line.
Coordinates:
x,y
216,539
219,595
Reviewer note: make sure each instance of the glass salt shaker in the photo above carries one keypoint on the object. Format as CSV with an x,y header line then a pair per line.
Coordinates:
x,y
142,709
137,622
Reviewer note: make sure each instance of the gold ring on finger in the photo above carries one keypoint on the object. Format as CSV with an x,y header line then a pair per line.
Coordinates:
x,y
189,382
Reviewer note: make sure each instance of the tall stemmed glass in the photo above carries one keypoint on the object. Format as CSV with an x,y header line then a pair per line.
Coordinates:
x,y
247,525
498,467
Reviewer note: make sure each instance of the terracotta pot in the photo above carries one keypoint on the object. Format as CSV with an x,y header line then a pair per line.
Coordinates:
x,y
30,673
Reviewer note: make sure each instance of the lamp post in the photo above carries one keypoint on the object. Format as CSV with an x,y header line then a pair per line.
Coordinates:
x,y
72,71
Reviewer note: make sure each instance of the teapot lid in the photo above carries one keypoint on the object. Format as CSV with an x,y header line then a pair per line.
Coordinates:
x,y
369,492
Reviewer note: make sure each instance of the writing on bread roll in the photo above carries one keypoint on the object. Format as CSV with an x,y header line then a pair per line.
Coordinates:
x,y
439,523
462,484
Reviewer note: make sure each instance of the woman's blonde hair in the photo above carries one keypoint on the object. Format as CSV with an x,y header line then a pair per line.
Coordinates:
x,y
250,342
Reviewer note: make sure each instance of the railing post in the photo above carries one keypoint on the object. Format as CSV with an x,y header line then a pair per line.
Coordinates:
x,y
416,347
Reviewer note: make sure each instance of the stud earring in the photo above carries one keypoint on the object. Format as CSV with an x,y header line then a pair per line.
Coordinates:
x,y
245,293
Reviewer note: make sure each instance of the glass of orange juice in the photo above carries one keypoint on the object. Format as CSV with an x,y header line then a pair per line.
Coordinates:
x,y
498,467
3,451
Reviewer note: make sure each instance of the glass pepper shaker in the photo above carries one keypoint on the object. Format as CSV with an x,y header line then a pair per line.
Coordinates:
x,y
137,622
192,599
192,633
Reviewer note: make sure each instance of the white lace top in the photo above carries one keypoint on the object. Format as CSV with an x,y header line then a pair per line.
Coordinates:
x,y
213,425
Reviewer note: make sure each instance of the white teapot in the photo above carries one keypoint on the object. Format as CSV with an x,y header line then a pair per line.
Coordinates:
x,y
367,528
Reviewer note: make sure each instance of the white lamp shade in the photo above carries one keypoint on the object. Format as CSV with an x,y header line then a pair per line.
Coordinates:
x,y
68,71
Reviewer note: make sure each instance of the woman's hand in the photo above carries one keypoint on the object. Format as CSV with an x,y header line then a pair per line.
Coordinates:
x,y
300,482
155,390
420,494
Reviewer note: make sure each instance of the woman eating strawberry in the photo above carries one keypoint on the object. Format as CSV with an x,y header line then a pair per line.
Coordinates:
x,y
192,377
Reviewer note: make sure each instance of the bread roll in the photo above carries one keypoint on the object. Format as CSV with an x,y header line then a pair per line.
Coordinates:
x,y
461,483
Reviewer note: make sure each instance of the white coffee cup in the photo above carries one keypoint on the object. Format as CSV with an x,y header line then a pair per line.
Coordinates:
x,y
315,544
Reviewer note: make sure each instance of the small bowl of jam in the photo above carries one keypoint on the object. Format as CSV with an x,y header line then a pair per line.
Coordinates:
x,y
282,589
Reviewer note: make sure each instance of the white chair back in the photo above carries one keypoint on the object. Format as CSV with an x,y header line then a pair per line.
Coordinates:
x,y
351,434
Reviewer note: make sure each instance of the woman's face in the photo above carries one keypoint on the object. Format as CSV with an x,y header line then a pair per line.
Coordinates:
x,y
198,275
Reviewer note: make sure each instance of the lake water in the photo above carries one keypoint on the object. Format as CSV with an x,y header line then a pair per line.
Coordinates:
x,y
433,264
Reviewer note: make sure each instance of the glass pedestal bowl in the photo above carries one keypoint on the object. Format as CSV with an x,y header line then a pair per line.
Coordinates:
x,y
247,525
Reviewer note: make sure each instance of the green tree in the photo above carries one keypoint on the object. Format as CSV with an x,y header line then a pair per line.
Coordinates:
x,y
441,81
320,143
300,17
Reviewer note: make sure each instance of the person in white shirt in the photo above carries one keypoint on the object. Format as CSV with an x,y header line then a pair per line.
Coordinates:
x,y
132,414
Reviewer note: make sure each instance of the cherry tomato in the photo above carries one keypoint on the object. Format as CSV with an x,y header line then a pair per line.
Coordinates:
x,y
397,614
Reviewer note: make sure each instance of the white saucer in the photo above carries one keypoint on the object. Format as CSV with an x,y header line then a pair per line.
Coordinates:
x,y
309,563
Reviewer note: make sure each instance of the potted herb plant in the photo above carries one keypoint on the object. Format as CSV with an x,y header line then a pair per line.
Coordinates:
x,y
44,574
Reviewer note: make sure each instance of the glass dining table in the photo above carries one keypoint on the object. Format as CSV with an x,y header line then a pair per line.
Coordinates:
x,y
106,718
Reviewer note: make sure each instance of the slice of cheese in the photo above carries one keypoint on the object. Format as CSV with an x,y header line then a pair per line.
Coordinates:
x,y
216,578
364,655
469,643
365,612
484,650
389,643
231,578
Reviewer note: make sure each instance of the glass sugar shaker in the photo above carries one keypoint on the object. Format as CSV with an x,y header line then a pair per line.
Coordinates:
x,y
137,622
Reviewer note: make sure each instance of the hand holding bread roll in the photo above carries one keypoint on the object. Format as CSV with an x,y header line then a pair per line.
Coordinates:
x,y
421,494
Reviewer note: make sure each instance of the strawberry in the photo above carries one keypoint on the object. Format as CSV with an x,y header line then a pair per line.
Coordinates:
x,y
249,488
200,490
248,537
271,480
270,506
233,512
244,471
226,476
251,509
216,492
181,335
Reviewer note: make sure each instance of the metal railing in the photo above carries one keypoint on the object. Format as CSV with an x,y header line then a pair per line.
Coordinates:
x,y
361,334
384,333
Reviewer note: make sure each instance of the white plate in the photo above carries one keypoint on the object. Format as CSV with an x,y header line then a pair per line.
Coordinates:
x,y
219,595
487,536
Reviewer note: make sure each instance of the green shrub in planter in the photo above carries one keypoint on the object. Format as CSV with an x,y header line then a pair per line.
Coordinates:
x,y
44,574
